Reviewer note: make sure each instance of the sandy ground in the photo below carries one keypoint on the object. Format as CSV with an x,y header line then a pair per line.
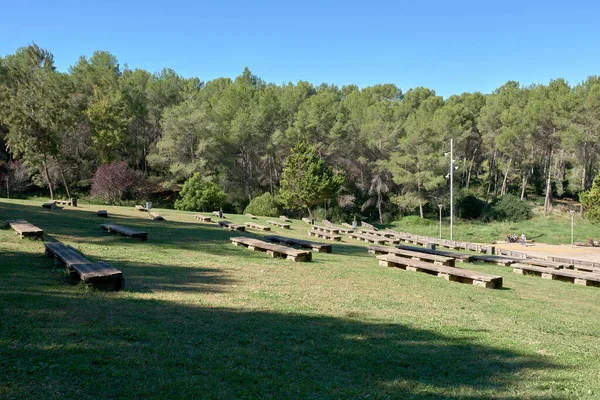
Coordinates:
x,y
566,251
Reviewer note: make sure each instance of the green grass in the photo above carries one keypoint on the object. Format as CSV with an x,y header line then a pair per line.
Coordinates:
x,y
201,318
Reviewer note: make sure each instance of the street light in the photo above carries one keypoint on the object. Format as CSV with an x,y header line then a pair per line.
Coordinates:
x,y
572,225
440,206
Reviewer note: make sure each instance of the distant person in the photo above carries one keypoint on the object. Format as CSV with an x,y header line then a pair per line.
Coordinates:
x,y
508,238
523,239
592,243
220,213
354,224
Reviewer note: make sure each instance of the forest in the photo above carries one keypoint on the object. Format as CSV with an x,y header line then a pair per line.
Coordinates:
x,y
58,128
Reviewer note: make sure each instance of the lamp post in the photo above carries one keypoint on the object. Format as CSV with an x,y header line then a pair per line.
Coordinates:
x,y
440,206
572,225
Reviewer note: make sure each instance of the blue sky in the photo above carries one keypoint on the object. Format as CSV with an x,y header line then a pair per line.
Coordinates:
x,y
451,47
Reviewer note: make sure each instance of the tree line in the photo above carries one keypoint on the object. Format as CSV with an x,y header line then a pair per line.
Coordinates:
x,y
389,144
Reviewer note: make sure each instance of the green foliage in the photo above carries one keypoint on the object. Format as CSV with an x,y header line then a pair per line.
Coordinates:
x,y
199,194
510,208
591,201
469,206
264,205
306,179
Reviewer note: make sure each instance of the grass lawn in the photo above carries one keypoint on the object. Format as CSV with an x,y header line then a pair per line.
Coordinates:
x,y
201,318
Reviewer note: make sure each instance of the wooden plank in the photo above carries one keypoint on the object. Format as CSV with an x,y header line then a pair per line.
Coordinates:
x,y
506,261
369,238
577,277
318,247
457,256
325,229
284,218
125,231
155,216
202,218
307,220
279,224
26,229
449,273
325,235
273,250
231,226
63,202
368,226
102,213
546,263
345,225
251,216
140,208
257,226
51,204
436,259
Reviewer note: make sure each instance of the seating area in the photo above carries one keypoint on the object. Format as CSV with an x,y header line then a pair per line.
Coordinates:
x,y
279,224
98,274
370,238
325,235
325,229
51,204
125,231
460,257
415,255
449,273
252,225
318,247
285,219
231,226
505,261
203,218
63,203
577,277
274,250
25,229
307,220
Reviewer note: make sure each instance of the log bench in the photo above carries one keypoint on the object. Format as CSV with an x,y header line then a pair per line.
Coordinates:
x,y
307,220
99,274
415,255
279,224
51,204
125,231
102,213
325,229
384,234
325,235
369,238
284,218
155,216
202,218
63,202
26,229
274,250
140,208
577,277
318,247
231,226
257,226
251,216
460,257
505,261
449,273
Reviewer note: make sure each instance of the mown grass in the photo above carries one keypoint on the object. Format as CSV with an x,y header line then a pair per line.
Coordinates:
x,y
201,318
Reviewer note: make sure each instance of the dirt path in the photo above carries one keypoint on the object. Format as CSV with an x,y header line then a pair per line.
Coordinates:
x,y
566,251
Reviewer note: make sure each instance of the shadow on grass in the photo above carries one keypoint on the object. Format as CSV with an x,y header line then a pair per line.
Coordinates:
x,y
92,344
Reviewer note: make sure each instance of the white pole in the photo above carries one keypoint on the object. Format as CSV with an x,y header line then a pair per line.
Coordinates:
x,y
572,229
451,189
440,207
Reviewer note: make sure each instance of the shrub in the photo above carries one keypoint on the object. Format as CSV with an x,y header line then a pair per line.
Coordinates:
x,y
510,208
469,206
113,182
14,178
199,194
263,205
591,201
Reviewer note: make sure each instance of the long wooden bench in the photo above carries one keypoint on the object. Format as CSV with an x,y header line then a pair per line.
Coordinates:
x,y
279,224
369,238
415,255
345,225
257,226
203,218
325,229
388,235
274,250
51,204
155,216
578,264
102,213
327,223
460,257
307,220
284,218
231,226
505,261
325,235
368,226
63,202
125,231
26,229
140,208
99,274
577,277
318,247
448,273
251,216
546,263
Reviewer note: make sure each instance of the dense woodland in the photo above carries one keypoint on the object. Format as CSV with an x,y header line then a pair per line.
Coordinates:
x,y
58,128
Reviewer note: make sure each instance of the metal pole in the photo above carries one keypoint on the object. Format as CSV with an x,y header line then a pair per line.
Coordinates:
x,y
451,189
440,206
572,226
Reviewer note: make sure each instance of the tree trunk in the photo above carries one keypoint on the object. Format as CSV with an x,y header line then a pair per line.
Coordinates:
x,y
309,211
62,175
503,190
379,206
420,202
523,186
48,180
547,201
492,167
471,169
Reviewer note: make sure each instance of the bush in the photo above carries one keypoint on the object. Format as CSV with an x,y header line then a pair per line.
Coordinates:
x,y
14,178
510,208
115,181
264,205
468,206
199,194
591,201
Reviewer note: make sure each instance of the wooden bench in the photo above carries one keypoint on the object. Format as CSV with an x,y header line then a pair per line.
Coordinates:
x,y
216,214
307,220
102,213
325,235
125,231
318,247
63,202
415,255
368,238
460,257
279,224
99,274
368,226
251,216
140,208
231,226
387,235
505,261
345,225
284,218
577,277
578,264
26,229
325,229
51,204
327,223
202,218
545,263
257,226
274,250
155,216
448,273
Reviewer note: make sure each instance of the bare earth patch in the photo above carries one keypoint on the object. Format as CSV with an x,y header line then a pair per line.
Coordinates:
x,y
541,249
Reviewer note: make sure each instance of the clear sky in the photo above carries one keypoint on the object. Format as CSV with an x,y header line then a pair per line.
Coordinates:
x,y
449,46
